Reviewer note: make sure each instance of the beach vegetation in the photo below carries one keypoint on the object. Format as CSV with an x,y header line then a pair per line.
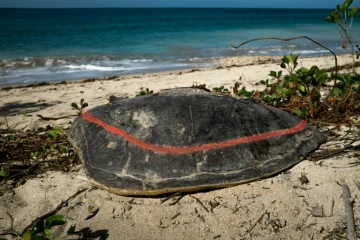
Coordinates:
x,y
34,154
144,92
310,93
200,86
221,89
80,108
9,138
289,62
344,17
55,132
43,228
61,149
3,173
43,149
244,92
303,91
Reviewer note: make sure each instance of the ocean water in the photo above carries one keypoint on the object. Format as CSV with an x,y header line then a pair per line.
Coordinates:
x,y
61,44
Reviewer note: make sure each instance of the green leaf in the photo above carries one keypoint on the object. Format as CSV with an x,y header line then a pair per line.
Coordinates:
x,y
280,89
353,11
279,74
39,225
289,92
71,229
286,59
341,77
264,82
320,76
52,134
315,103
37,237
312,70
288,78
58,130
262,94
302,89
337,91
272,74
274,96
244,92
346,5
26,236
282,65
3,173
302,71
305,110
74,105
55,132
298,112
48,232
329,19
355,79
54,221
294,59
335,16
84,105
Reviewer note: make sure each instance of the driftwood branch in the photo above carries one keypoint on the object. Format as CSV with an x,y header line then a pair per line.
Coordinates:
x,y
294,38
351,233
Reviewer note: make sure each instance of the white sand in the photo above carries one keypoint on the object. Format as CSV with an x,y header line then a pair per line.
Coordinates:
x,y
284,204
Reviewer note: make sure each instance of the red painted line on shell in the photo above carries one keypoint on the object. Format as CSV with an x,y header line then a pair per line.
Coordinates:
x,y
192,149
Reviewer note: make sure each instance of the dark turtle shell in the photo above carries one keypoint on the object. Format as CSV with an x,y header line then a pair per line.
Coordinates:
x,y
186,139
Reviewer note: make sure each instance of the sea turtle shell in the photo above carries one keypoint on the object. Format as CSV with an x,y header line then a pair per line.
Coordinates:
x,y
185,140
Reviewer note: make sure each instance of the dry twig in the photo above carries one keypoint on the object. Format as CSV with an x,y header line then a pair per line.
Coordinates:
x,y
171,196
290,39
330,153
54,211
54,118
351,233
259,219
198,200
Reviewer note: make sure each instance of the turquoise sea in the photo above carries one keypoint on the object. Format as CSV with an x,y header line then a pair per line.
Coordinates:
x,y
61,44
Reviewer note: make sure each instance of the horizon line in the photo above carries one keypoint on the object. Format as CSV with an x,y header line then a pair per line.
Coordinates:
x,y
164,8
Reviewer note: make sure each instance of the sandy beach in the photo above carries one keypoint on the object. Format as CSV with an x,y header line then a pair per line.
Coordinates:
x,y
21,105
280,207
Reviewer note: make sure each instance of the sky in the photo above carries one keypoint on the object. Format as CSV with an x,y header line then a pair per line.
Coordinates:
x,y
329,4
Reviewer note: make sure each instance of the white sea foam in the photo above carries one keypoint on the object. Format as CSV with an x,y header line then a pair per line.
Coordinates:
x,y
194,59
94,67
312,51
49,62
141,60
